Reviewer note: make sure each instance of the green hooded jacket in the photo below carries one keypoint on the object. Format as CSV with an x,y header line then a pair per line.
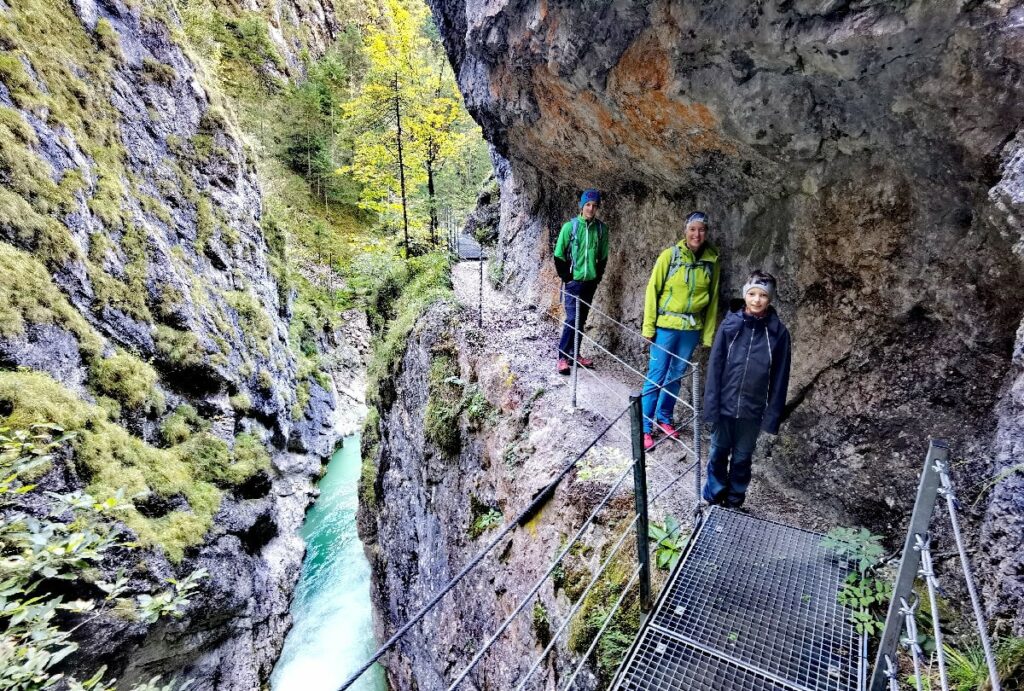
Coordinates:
x,y
590,250
689,299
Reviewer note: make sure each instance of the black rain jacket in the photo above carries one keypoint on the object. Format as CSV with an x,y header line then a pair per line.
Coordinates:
x,y
748,371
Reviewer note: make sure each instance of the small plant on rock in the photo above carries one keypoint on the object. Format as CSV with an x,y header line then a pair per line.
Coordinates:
x,y
866,594
669,540
485,522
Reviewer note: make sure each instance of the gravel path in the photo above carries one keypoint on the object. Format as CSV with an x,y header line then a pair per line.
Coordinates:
x,y
526,334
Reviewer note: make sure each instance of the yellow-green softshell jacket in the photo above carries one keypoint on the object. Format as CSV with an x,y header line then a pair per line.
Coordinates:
x,y
692,290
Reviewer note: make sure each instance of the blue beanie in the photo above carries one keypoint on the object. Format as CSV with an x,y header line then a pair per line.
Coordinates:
x,y
590,195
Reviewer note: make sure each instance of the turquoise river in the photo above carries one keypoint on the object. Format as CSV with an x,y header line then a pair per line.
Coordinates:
x,y
332,630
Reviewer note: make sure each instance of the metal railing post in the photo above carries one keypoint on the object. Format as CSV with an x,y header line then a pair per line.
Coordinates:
x,y
480,317
696,435
575,348
636,416
909,562
946,491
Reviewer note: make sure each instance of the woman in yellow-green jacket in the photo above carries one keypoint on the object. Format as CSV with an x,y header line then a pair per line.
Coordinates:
x,y
680,309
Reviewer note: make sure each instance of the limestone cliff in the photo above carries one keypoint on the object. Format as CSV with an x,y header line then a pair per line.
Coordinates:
x,y
866,152
470,433
145,306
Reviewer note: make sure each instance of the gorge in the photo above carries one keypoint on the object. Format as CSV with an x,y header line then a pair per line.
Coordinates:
x,y
186,292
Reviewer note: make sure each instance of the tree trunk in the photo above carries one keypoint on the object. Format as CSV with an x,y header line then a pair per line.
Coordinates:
x,y
432,202
401,163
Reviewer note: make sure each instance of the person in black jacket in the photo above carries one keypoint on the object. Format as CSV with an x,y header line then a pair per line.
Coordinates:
x,y
745,392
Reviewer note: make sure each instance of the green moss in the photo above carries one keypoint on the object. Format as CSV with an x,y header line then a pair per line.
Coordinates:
x,y
29,296
251,456
128,380
156,208
129,295
181,425
157,71
252,318
179,349
241,403
217,464
205,223
30,199
596,607
76,77
111,459
266,380
16,79
110,406
301,400
169,302
402,299
444,403
108,39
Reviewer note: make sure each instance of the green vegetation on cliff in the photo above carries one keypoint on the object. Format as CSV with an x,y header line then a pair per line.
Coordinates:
x,y
111,459
152,262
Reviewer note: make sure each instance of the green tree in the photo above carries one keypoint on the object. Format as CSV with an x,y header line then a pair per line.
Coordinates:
x,y
436,133
385,159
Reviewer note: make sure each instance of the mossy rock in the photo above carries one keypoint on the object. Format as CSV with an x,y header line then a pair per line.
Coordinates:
x,y
444,403
111,459
129,381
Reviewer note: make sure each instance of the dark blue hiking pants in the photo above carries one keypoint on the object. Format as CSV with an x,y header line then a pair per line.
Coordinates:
x,y
732,448
584,290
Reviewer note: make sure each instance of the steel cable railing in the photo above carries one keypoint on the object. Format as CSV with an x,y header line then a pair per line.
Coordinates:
x,y
656,388
533,591
520,519
687,364
639,521
579,602
917,561
604,626
676,439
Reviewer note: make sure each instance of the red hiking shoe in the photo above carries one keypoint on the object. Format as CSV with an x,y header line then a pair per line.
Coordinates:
x,y
648,442
563,366
668,430
585,362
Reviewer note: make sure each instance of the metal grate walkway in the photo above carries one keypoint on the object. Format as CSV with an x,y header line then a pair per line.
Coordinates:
x,y
752,605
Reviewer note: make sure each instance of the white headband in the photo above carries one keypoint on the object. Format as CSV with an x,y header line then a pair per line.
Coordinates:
x,y
766,286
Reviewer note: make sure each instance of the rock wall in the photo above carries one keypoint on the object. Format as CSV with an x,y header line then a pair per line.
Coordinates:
x,y
136,266
470,437
865,152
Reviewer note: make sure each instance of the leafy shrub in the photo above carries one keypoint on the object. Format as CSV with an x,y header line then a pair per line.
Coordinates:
x,y
863,592
40,550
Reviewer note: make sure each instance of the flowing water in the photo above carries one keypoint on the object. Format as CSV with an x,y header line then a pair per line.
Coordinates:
x,y
332,633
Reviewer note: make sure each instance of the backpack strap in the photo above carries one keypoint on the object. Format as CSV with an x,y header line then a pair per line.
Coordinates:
x,y
572,246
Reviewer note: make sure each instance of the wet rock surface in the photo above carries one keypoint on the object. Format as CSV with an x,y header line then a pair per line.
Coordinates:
x,y
184,229
867,153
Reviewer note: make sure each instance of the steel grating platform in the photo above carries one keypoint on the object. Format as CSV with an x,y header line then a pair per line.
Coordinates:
x,y
752,605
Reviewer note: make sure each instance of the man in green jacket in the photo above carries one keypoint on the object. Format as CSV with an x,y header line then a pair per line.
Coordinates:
x,y
581,254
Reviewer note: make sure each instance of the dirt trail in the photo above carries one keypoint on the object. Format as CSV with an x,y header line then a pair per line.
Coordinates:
x,y
525,336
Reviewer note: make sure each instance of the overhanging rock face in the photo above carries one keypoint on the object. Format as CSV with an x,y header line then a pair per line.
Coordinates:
x,y
864,152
